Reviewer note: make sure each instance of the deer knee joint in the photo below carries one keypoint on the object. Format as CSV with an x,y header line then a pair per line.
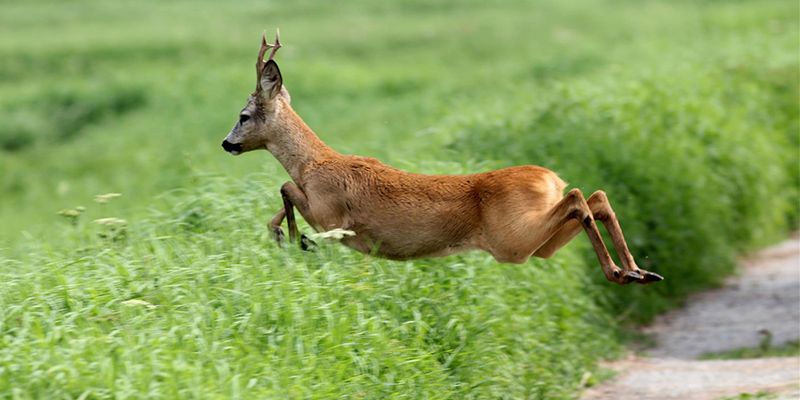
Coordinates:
x,y
599,195
291,193
285,189
575,193
581,215
598,203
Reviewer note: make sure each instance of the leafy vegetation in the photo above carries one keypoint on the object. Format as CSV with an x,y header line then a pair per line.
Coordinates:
x,y
684,112
766,349
171,309
752,396
698,171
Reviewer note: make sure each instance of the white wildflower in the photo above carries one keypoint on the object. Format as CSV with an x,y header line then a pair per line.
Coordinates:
x,y
139,303
111,221
105,198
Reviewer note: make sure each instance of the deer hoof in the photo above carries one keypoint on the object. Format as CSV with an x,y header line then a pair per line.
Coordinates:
x,y
649,277
277,234
626,277
307,244
632,275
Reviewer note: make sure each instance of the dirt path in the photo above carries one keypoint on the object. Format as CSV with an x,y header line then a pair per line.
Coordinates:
x,y
764,300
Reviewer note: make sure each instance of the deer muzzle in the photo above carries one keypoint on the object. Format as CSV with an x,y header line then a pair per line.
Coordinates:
x,y
233,148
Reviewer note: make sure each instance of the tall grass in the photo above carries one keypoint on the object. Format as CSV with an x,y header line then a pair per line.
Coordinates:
x,y
196,302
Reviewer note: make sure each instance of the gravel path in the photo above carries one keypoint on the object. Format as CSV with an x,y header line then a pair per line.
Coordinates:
x,y
763,300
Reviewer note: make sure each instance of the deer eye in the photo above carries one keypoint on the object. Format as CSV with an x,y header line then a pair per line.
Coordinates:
x,y
243,118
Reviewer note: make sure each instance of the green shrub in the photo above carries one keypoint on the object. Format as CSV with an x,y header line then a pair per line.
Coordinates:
x,y
697,162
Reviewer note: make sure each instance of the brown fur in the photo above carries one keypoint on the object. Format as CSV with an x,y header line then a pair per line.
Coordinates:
x,y
512,213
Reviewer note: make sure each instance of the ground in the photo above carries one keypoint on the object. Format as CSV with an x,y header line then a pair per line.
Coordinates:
x,y
763,303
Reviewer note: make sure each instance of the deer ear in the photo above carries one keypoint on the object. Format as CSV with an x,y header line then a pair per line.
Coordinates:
x,y
271,80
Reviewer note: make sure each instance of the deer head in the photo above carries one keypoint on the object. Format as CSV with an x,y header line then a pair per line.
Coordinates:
x,y
264,106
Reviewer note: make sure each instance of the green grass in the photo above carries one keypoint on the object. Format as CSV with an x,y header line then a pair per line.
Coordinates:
x,y
684,112
752,396
227,313
789,349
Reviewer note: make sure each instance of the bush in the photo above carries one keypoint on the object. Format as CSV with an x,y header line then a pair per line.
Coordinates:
x,y
699,166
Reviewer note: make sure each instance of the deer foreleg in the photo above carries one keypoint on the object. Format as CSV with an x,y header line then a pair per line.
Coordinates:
x,y
292,197
275,225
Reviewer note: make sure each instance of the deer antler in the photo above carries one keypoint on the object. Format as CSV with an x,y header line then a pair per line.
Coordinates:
x,y
260,63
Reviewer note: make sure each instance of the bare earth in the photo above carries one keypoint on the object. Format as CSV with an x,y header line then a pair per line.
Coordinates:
x,y
763,300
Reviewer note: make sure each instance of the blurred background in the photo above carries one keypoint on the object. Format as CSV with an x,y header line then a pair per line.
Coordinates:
x,y
685,112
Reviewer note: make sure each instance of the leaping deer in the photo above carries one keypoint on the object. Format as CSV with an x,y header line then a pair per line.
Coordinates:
x,y
512,213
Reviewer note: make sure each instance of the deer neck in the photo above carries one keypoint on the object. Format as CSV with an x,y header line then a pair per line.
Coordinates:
x,y
295,145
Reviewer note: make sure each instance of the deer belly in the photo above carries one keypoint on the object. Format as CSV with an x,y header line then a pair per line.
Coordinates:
x,y
408,241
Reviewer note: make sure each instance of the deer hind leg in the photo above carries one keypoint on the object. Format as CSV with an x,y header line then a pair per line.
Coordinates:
x,y
601,210
521,240
571,229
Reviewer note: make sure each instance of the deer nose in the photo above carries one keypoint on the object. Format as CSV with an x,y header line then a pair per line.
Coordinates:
x,y
231,147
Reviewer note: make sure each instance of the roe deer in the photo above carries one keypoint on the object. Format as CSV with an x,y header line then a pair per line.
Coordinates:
x,y
512,213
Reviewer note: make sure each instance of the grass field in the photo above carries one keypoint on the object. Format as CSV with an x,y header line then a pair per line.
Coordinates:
x,y
685,112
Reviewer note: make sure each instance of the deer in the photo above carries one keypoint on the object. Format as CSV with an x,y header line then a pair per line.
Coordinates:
x,y
512,213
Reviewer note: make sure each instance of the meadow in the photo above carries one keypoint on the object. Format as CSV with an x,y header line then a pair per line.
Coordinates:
x,y
685,112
